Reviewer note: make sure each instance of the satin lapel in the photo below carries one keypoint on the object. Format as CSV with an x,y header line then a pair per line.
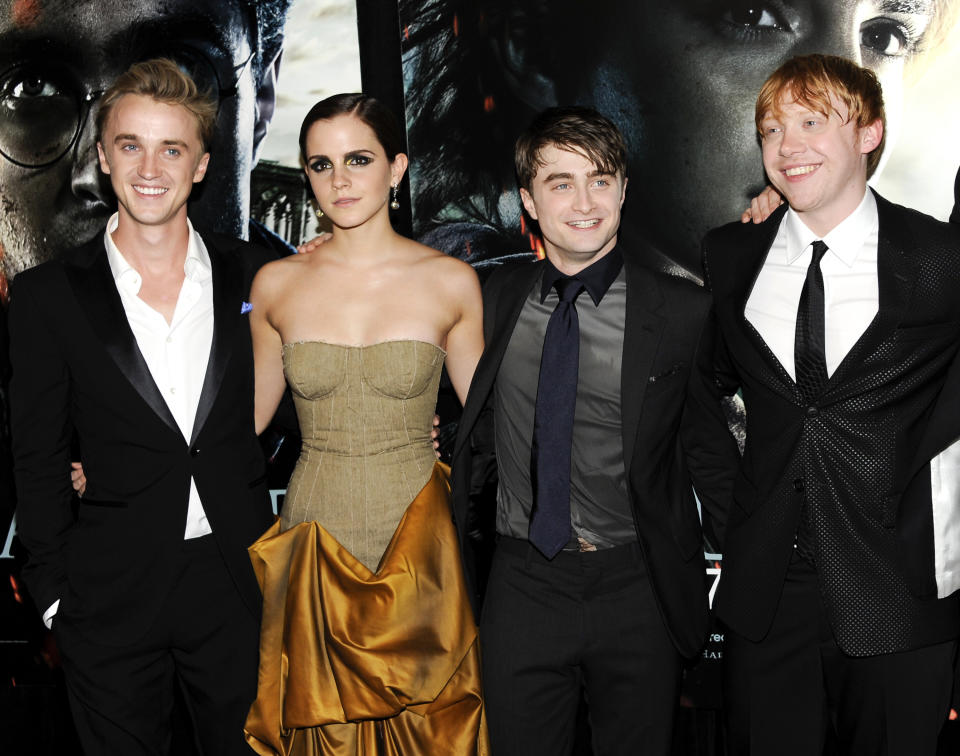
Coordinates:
x,y
749,262
642,330
97,294
896,277
227,301
510,298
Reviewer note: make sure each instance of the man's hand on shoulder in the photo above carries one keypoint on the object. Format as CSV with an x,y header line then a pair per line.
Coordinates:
x,y
762,206
314,243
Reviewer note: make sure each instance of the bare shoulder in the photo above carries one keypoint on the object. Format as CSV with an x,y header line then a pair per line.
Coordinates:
x,y
276,275
452,274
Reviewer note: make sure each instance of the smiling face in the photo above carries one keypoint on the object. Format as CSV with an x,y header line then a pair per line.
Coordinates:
x,y
153,155
54,52
349,171
576,205
684,97
818,161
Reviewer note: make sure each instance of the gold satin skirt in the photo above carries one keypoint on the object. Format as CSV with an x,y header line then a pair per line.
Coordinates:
x,y
356,662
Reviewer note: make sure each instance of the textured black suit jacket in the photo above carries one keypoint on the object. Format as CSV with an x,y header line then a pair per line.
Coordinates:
x,y
858,457
77,372
668,327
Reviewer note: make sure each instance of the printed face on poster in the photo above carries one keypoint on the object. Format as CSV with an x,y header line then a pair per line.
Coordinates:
x,y
266,60
680,80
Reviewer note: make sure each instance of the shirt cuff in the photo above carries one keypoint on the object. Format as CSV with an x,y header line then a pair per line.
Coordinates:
x,y
48,615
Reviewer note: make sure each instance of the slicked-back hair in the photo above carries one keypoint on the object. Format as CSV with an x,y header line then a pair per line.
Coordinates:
x,y
574,128
816,81
162,80
369,110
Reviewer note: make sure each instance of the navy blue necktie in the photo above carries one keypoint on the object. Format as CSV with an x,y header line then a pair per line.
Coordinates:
x,y
553,423
809,352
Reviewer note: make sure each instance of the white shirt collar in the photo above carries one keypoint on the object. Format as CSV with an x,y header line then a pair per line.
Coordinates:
x,y
196,266
847,238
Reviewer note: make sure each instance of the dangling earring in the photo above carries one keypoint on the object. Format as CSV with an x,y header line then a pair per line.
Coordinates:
x,y
394,205
319,212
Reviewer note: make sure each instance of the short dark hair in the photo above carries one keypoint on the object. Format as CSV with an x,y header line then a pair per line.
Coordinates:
x,y
162,80
574,128
811,80
368,109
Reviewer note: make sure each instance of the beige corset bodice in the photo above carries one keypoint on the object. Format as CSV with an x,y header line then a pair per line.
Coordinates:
x,y
365,415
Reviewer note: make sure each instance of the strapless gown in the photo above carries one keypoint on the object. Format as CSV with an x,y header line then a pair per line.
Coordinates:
x,y
368,644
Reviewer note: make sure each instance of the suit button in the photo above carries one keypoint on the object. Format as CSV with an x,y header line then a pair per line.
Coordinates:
x,y
812,411
798,485
194,452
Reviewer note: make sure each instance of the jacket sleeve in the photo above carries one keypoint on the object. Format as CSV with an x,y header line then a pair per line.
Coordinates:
x,y
483,471
711,452
719,368
41,432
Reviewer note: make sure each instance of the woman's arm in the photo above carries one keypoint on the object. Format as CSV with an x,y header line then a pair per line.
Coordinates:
x,y
267,348
464,343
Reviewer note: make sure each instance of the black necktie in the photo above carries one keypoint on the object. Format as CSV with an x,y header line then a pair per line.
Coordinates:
x,y
553,423
810,364
809,355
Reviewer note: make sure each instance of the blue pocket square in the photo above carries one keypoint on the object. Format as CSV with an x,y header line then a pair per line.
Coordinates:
x,y
245,307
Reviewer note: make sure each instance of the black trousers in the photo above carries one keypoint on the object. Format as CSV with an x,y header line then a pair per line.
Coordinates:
x,y
205,640
781,694
585,620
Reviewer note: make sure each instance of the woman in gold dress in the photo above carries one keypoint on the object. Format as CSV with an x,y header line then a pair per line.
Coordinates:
x,y
368,643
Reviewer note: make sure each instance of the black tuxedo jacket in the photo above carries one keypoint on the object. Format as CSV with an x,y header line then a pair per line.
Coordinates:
x,y
78,373
858,456
668,327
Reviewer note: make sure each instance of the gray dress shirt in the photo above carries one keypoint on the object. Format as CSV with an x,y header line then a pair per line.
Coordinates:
x,y
600,511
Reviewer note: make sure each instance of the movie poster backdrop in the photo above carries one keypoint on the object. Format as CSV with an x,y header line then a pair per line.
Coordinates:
x,y
680,78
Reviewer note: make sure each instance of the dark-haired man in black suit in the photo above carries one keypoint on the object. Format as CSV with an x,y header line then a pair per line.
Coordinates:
x,y
589,372
137,345
838,319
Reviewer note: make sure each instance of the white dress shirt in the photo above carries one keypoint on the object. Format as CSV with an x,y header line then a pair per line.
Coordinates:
x,y
176,353
851,292
851,300
945,497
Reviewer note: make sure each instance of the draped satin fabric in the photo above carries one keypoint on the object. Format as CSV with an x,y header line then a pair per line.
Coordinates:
x,y
356,662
